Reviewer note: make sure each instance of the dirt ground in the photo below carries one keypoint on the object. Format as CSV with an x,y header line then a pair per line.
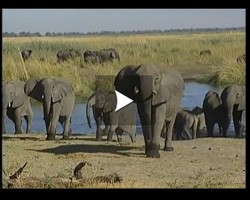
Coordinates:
x,y
200,163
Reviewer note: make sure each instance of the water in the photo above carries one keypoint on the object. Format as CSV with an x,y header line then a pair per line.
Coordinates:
x,y
193,96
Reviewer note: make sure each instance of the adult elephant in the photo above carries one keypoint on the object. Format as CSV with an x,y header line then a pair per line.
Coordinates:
x,y
91,57
16,104
64,55
26,54
214,113
231,97
242,106
103,105
58,98
112,52
158,93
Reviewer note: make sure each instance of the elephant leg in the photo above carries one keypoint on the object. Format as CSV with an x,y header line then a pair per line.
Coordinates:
x,y
236,120
168,141
51,135
98,130
210,129
119,132
66,129
186,131
18,123
111,132
158,119
28,119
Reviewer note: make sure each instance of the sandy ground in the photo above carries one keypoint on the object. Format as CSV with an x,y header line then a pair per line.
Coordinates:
x,y
199,163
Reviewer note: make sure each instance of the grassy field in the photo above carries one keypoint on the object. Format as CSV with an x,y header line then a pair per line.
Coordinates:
x,y
199,163
178,51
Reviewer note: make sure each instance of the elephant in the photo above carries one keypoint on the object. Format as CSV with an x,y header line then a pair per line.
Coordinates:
x,y
113,53
242,106
91,57
64,55
58,98
16,104
231,97
101,56
186,120
103,106
157,93
205,53
214,113
241,59
26,54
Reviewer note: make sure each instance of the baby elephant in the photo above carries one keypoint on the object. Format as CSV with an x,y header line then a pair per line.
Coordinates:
x,y
186,120
103,106
26,54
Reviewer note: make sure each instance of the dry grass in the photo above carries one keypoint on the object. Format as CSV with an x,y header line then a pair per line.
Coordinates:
x,y
213,163
178,51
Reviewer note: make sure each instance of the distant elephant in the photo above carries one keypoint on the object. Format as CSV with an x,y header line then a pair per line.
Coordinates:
x,y
187,120
16,104
214,113
58,98
64,55
205,53
231,97
91,57
241,59
103,105
113,53
157,93
26,54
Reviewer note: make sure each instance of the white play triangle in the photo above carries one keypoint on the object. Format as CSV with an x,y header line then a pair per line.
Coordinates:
x,y
122,100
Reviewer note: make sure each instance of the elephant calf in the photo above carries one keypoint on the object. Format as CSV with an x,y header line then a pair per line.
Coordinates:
x,y
103,105
205,53
214,112
65,55
186,120
16,104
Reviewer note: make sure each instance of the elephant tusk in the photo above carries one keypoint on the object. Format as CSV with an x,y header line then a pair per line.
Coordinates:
x,y
154,92
9,104
42,96
136,90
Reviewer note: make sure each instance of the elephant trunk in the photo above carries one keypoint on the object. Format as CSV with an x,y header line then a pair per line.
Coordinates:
x,y
46,109
144,110
228,109
90,103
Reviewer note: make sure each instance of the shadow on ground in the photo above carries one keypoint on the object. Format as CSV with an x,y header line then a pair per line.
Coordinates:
x,y
89,148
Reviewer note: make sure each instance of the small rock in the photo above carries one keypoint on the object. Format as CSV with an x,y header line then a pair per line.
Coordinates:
x,y
210,168
209,148
236,156
194,147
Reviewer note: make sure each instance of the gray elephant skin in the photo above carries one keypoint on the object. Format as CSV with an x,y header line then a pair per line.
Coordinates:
x,y
214,113
58,98
242,107
16,104
157,93
103,106
101,56
231,97
65,55
26,54
187,120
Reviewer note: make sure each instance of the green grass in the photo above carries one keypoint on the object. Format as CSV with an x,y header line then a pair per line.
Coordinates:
x,y
178,51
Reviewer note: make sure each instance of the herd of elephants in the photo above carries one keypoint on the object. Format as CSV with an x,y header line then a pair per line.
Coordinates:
x,y
157,93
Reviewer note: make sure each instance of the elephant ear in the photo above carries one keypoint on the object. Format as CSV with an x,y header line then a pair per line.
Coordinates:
x,y
110,103
242,104
33,89
166,86
112,54
18,97
59,92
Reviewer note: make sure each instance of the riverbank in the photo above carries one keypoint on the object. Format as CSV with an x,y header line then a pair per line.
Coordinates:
x,y
200,163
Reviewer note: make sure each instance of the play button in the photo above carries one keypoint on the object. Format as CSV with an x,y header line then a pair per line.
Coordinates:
x,y
122,100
